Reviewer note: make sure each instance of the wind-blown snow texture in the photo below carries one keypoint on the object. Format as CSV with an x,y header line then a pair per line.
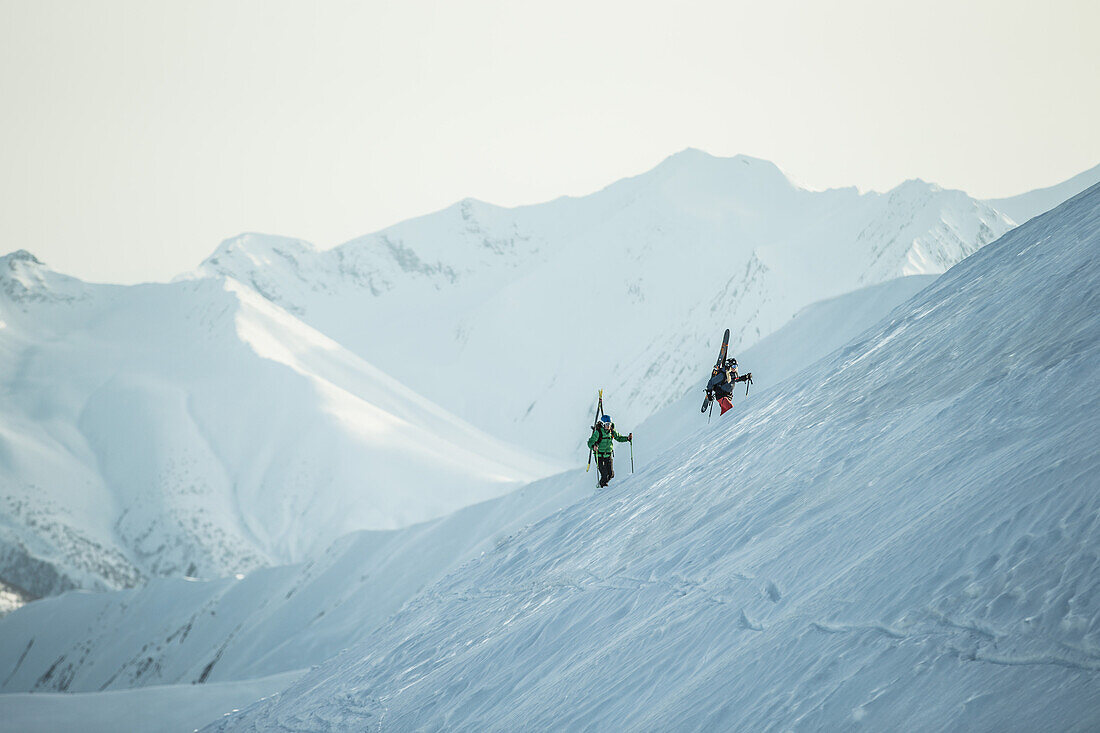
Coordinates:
x,y
165,709
173,631
815,332
531,309
272,620
203,428
904,537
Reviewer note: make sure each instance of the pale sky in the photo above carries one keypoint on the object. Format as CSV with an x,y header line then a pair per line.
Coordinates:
x,y
135,136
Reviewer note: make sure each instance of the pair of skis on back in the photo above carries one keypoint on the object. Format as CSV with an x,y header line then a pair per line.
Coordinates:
x,y
595,421
708,401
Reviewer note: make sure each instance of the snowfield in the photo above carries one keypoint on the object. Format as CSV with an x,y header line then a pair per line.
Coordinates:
x,y
246,415
273,620
896,528
904,537
286,618
168,709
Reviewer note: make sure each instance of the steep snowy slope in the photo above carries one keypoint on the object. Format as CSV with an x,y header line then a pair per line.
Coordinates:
x,y
1027,205
195,428
287,618
165,709
813,333
272,620
532,309
905,537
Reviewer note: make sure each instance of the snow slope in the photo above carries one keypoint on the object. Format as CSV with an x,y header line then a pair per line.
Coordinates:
x,y
1027,205
165,709
287,618
270,621
195,428
815,332
532,309
905,536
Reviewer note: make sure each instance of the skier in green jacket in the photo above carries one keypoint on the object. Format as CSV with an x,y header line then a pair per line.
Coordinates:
x,y
602,434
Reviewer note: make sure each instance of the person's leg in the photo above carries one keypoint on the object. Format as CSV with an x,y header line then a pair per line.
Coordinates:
x,y
606,472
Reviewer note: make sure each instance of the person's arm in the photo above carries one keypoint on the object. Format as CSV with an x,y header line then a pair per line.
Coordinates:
x,y
593,439
621,438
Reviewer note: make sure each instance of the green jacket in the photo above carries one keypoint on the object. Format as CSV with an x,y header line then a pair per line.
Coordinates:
x,y
601,440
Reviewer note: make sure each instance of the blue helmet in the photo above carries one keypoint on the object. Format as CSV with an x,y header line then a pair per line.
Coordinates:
x,y
606,419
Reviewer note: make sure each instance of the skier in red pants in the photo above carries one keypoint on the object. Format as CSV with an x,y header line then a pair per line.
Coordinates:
x,y
720,386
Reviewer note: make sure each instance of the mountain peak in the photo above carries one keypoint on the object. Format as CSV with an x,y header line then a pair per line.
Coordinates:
x,y
697,156
20,271
701,165
690,153
255,249
253,241
21,255
25,277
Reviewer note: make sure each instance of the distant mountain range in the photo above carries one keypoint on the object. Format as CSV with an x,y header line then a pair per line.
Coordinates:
x,y
1031,204
196,429
901,536
512,318
292,617
280,396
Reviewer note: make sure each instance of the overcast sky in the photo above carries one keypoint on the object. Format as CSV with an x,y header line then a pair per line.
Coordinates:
x,y
134,136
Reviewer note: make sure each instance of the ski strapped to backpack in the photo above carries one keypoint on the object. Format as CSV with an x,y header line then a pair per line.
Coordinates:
x,y
595,422
717,367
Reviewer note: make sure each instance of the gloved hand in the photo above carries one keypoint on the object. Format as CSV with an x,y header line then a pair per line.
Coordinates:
x,y
630,438
748,377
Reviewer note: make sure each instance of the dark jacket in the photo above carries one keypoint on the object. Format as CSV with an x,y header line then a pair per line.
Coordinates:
x,y
723,380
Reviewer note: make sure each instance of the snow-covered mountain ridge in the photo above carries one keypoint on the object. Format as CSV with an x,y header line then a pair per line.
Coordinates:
x,y
531,309
280,619
1032,203
904,536
195,428
203,427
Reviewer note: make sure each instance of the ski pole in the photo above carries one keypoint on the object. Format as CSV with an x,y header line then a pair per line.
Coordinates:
x,y
632,454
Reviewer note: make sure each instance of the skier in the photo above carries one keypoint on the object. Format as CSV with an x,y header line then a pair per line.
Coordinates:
x,y
601,443
720,386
